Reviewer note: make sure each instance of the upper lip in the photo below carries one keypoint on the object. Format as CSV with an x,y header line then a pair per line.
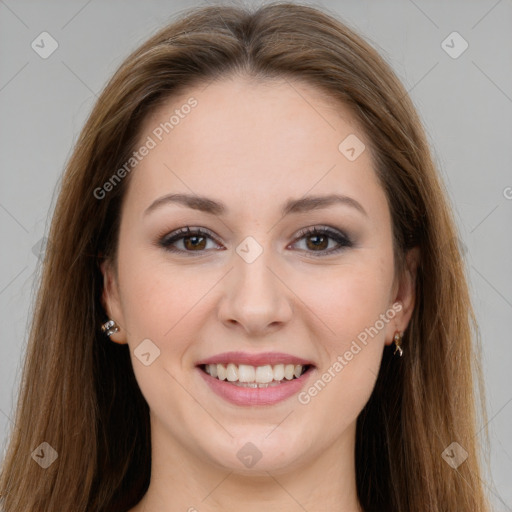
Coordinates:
x,y
260,359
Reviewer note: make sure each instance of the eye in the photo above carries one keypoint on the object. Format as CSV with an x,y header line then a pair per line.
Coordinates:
x,y
195,240
317,240
191,239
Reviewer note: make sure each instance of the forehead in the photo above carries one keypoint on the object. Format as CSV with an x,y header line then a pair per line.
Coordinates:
x,y
251,140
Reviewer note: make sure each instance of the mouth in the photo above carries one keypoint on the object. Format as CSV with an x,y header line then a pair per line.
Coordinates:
x,y
250,379
264,379
256,377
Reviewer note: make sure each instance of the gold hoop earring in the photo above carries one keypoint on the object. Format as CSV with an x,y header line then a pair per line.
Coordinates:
x,y
109,328
398,342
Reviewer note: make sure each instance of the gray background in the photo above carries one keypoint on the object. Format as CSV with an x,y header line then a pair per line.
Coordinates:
x,y
465,102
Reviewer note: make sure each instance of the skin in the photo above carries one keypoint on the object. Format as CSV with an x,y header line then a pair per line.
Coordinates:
x,y
253,145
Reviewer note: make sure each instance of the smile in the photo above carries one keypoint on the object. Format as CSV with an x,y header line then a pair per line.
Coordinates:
x,y
264,379
244,375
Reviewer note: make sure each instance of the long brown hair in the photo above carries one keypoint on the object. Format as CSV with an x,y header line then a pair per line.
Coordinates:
x,y
79,393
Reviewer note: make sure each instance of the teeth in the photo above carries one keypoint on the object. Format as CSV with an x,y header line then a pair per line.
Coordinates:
x,y
246,373
221,371
289,370
264,374
279,372
231,373
252,375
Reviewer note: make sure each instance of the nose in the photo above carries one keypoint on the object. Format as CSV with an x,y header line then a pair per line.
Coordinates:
x,y
255,297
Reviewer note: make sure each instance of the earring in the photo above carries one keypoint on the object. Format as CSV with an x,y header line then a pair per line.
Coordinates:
x,y
398,342
110,327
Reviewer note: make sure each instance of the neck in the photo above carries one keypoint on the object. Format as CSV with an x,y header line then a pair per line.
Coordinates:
x,y
183,480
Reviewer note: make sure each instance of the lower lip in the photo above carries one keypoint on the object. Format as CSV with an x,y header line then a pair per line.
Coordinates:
x,y
256,396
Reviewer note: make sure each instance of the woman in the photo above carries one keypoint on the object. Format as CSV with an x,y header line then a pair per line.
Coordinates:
x,y
252,294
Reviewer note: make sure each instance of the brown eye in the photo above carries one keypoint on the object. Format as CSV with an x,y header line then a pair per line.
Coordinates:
x,y
187,240
194,242
317,240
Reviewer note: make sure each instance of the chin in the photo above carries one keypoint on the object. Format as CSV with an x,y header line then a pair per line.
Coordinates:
x,y
256,455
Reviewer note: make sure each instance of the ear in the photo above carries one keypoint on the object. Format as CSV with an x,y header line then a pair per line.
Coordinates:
x,y
404,294
111,301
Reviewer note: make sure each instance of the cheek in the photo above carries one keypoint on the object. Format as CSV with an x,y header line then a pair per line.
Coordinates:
x,y
350,304
155,295
162,304
352,351
350,299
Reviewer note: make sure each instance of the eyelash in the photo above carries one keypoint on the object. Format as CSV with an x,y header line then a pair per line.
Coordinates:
x,y
187,232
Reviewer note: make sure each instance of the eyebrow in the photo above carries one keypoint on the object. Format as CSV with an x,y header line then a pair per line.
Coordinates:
x,y
292,206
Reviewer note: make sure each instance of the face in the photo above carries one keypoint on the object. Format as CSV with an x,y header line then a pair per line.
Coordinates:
x,y
278,252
